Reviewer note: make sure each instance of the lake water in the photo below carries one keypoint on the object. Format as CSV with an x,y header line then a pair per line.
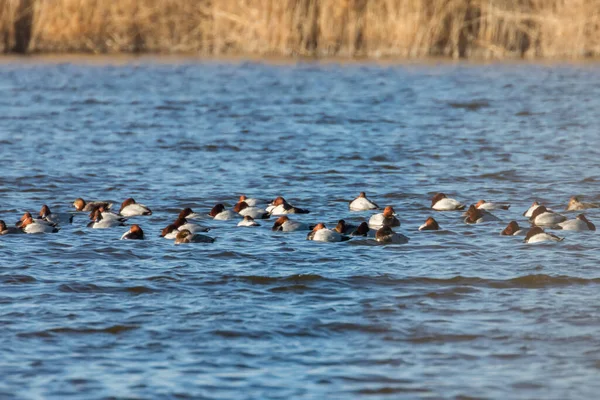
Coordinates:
x,y
462,313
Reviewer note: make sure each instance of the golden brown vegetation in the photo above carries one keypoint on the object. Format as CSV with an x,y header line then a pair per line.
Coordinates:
x,y
345,28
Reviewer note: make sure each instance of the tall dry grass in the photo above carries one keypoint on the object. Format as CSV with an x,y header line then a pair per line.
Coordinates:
x,y
345,28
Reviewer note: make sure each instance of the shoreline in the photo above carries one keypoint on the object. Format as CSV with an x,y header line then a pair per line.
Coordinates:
x,y
188,58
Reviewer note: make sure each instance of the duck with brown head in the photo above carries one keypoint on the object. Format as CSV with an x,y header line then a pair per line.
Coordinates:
x,y
182,223
488,206
54,218
362,230
386,218
441,202
513,229
284,224
477,216
280,206
188,213
98,221
429,225
30,225
129,208
83,206
134,233
248,221
344,228
361,203
386,235
529,212
250,202
580,223
537,234
541,216
218,212
244,209
320,233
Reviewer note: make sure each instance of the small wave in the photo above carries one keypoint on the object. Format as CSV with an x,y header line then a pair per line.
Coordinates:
x,y
16,279
112,330
469,105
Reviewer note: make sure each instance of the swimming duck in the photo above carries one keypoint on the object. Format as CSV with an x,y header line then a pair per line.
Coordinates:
x,y
134,233
129,208
477,216
361,203
386,218
187,213
81,205
322,234
485,205
531,209
53,218
544,217
580,223
513,229
5,230
30,225
575,204
250,202
537,234
441,202
244,209
280,206
248,221
344,228
284,224
362,230
388,236
186,236
98,222
218,212
429,225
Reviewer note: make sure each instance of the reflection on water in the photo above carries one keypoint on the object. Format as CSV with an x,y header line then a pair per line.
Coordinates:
x,y
461,312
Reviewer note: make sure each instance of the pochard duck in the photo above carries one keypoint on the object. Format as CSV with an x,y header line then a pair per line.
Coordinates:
x,y
134,233
441,202
537,234
186,236
322,234
361,203
386,218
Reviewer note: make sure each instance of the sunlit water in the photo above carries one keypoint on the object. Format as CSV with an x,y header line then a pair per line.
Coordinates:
x,y
455,314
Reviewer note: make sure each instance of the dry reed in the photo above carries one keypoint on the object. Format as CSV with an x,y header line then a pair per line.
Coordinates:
x,y
343,28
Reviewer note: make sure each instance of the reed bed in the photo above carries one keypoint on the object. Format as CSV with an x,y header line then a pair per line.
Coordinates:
x,y
488,29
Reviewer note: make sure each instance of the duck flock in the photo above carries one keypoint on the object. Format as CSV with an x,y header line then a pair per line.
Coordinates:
x,y
378,227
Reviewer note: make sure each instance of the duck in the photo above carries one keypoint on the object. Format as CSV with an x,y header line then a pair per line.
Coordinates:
x,y
134,233
83,206
344,228
531,209
244,209
322,234
129,208
477,216
218,212
182,223
386,218
485,205
544,217
248,221
362,230
169,232
186,236
430,225
441,202
513,229
53,218
580,223
107,215
537,234
250,202
98,222
188,213
284,224
361,203
8,230
575,204
30,225
388,236
26,215
280,206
